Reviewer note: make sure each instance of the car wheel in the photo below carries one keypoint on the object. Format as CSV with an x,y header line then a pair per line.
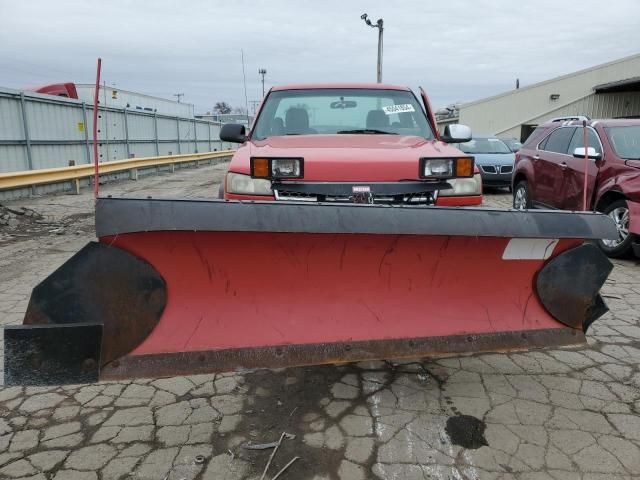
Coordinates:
x,y
618,211
521,197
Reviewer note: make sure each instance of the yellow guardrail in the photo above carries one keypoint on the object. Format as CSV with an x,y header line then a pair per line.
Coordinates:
x,y
76,172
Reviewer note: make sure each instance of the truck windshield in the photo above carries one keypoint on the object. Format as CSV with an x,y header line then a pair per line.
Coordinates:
x,y
341,111
625,141
484,145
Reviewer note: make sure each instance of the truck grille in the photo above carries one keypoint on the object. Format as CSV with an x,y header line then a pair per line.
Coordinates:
x,y
423,198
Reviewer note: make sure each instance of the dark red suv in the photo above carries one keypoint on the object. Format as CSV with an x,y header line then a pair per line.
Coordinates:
x,y
549,173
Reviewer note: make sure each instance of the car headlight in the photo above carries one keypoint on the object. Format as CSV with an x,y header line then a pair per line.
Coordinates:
x,y
438,167
456,167
463,186
284,168
245,185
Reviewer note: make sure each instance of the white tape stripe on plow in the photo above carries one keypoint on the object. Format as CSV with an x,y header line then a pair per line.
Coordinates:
x,y
529,248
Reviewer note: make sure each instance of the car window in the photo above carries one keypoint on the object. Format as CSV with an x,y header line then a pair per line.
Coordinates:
x,y
513,145
625,141
558,141
543,144
578,140
484,145
538,135
341,111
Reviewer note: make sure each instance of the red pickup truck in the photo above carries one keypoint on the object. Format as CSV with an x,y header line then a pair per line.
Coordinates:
x,y
550,167
368,143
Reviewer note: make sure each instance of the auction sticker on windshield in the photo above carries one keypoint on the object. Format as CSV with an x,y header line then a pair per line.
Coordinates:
x,y
391,109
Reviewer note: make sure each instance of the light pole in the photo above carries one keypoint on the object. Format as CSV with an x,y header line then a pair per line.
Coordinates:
x,y
179,95
379,25
262,72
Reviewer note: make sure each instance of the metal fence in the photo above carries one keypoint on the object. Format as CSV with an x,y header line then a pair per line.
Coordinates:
x,y
42,131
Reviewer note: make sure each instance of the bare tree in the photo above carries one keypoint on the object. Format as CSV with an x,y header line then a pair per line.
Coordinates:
x,y
222,107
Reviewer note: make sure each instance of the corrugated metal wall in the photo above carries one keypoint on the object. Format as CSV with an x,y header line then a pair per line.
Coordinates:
x,y
596,105
505,113
43,131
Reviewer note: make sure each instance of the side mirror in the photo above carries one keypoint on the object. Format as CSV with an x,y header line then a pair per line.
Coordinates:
x,y
233,132
591,153
456,133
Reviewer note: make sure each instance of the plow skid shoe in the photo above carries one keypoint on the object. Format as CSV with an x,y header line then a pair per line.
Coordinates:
x,y
203,286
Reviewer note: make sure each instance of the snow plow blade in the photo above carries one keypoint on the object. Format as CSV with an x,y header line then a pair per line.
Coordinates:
x,y
186,286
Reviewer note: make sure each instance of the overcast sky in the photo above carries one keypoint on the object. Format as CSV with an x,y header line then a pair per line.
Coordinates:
x,y
459,50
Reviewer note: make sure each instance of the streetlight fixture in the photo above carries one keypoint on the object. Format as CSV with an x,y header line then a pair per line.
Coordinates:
x,y
262,72
379,26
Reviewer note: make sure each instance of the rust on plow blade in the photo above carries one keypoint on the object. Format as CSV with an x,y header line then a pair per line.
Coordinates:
x,y
190,363
179,287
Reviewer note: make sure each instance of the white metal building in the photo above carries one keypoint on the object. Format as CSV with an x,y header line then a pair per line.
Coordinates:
x,y
114,97
241,118
48,131
611,90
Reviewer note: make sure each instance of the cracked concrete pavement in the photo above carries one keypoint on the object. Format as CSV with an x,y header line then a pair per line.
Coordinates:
x,y
546,414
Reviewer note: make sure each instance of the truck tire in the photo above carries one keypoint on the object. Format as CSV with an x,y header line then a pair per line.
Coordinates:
x,y
521,196
618,211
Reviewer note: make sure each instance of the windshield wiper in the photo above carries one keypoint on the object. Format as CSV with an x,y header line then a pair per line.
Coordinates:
x,y
370,131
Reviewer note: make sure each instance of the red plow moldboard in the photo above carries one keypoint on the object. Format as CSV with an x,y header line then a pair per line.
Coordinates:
x,y
181,287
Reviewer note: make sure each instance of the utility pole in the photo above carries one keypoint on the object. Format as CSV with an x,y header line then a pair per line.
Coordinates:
x,y
179,95
106,118
254,106
262,72
379,25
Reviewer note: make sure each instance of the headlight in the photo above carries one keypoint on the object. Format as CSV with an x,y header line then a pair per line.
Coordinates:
x,y
463,186
277,167
438,167
457,167
286,167
245,185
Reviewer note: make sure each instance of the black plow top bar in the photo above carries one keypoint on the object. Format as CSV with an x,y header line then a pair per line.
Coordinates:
x,y
128,215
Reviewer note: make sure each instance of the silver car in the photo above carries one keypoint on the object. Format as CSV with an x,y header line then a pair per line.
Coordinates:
x,y
494,158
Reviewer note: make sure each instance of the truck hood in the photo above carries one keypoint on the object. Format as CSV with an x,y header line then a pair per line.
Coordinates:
x,y
494,158
348,158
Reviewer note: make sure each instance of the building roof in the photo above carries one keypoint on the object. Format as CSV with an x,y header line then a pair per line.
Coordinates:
x,y
552,80
627,85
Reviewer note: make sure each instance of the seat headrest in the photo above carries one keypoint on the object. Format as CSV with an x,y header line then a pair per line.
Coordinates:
x,y
377,119
297,120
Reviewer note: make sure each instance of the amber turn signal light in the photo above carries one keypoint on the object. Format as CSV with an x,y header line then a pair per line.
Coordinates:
x,y
260,167
464,167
